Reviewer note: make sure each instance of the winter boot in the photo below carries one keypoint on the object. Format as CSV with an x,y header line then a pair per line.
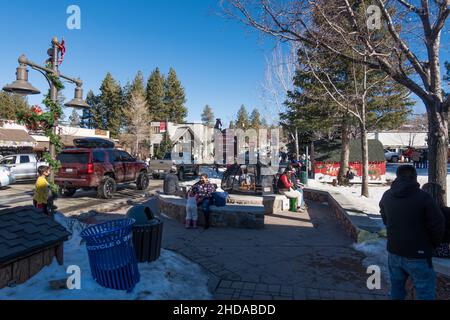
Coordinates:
x,y
206,222
188,223
194,224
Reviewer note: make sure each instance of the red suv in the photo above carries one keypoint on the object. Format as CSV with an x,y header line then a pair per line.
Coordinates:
x,y
99,168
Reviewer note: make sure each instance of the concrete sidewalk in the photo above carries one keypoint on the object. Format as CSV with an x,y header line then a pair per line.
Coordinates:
x,y
297,256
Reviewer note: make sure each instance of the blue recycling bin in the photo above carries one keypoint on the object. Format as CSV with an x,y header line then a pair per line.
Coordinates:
x,y
111,254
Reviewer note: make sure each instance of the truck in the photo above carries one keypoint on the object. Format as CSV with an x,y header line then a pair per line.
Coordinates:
x,y
22,166
182,168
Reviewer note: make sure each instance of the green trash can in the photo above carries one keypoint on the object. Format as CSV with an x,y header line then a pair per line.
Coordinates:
x,y
293,204
304,177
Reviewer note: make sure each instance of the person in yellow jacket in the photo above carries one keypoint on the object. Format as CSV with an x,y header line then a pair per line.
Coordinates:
x,y
42,190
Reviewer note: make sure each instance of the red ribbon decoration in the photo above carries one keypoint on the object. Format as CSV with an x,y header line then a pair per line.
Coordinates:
x,y
62,50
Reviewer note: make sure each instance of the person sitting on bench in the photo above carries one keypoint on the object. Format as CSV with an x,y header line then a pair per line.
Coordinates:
x,y
285,187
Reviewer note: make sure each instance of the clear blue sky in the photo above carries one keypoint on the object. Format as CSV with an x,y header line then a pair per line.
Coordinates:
x,y
220,62
217,61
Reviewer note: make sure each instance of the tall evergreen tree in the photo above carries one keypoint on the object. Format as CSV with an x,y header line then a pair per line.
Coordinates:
x,y
10,105
155,93
255,119
242,121
74,119
111,99
164,147
92,116
231,125
208,116
174,98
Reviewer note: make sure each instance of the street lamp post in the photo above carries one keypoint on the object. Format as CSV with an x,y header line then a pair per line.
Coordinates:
x,y
22,87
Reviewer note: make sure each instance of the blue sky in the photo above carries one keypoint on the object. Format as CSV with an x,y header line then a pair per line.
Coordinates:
x,y
219,61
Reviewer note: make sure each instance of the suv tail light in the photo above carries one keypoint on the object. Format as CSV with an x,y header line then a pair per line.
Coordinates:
x,y
90,168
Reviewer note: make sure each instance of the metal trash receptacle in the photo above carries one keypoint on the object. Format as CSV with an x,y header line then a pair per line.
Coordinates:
x,y
111,254
304,178
147,233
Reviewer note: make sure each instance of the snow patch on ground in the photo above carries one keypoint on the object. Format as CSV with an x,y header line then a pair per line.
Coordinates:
x,y
371,204
171,277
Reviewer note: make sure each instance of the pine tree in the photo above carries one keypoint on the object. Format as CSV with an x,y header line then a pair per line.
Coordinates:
x,y
255,119
10,105
174,98
155,96
74,119
93,116
111,99
87,117
164,147
232,125
208,116
242,121
264,123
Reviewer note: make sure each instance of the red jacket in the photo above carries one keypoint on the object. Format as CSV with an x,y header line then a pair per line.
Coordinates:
x,y
285,182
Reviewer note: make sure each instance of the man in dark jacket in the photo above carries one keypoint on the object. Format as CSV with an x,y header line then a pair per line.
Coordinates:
x,y
171,183
415,226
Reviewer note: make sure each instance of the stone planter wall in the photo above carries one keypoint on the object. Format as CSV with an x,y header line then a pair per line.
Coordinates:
x,y
235,216
338,211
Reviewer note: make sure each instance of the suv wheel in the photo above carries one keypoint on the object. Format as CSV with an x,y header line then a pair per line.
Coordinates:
x,y
68,192
142,181
106,188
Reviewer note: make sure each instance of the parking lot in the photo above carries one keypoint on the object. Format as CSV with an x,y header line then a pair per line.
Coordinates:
x,y
21,194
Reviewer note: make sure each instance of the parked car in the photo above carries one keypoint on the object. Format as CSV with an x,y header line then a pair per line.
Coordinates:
x,y
23,166
99,168
181,167
6,177
392,156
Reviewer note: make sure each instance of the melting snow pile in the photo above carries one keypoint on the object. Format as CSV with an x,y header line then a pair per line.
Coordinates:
x,y
171,277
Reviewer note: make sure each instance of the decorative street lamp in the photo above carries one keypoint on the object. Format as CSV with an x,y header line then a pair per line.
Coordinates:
x,y
22,87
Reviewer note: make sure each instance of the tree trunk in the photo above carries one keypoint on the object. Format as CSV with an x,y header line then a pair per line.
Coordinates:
x,y
365,162
345,151
438,145
297,148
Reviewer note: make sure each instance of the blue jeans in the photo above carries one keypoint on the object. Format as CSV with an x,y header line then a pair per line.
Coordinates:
x,y
421,273
206,203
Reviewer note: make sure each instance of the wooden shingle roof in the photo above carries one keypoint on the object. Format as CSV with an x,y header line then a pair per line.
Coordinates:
x,y
24,230
330,151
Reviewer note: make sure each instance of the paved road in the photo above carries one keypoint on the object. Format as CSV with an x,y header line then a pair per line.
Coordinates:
x,y
21,194
297,256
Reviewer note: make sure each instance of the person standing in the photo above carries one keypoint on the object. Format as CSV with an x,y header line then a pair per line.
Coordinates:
x,y
415,227
416,158
41,198
425,159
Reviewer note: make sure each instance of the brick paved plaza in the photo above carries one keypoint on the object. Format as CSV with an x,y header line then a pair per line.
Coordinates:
x,y
296,256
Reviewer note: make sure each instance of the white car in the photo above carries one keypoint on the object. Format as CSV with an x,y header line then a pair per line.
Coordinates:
x,y
392,156
6,176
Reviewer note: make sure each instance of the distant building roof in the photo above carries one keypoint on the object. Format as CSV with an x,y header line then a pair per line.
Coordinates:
x,y
15,138
23,231
330,151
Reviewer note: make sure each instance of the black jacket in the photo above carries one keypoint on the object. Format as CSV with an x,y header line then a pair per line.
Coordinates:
x,y
415,224
446,212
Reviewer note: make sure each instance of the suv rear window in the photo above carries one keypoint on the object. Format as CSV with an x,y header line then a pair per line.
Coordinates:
x,y
74,157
